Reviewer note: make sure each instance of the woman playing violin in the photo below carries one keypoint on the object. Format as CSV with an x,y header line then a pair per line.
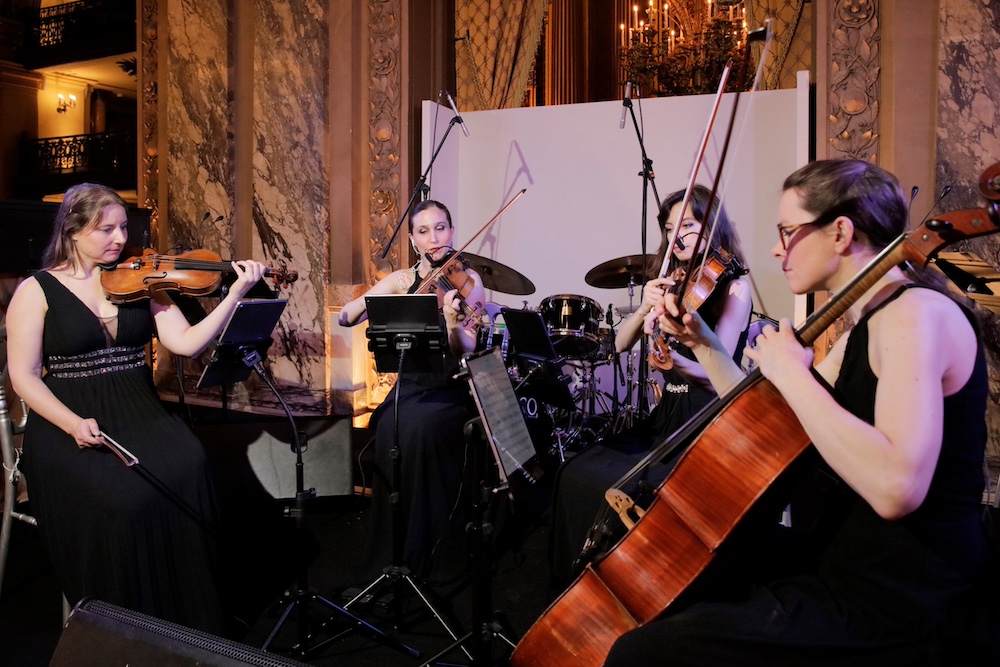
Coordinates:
x,y
79,362
584,479
896,412
431,234
433,409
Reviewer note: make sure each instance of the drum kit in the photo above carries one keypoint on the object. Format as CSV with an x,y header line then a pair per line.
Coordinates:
x,y
582,337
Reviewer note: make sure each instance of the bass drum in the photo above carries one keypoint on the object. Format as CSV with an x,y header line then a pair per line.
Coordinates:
x,y
574,324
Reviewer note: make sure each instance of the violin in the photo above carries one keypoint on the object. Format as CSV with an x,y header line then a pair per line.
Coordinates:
x,y
719,266
452,273
194,272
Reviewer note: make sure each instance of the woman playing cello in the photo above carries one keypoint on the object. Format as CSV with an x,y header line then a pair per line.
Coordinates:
x,y
433,409
896,412
584,479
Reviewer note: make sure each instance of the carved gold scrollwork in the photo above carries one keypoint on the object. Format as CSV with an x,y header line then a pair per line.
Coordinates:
x,y
385,111
855,53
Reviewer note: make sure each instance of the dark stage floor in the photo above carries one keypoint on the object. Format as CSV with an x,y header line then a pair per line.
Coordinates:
x,y
261,564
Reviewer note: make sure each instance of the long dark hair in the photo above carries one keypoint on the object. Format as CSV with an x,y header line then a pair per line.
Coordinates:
x,y
725,235
83,206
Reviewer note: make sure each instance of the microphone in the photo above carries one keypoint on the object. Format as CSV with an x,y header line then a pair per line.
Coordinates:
x,y
679,242
458,117
944,193
913,195
626,103
610,316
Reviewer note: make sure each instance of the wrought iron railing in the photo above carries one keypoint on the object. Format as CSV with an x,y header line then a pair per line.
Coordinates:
x,y
80,31
52,165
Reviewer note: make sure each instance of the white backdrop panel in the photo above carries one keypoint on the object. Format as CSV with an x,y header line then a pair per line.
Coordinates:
x,y
583,204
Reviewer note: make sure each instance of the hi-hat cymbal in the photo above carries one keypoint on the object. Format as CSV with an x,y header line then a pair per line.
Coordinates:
x,y
622,272
499,277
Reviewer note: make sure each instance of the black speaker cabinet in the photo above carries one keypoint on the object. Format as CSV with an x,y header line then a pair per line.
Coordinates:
x,y
102,634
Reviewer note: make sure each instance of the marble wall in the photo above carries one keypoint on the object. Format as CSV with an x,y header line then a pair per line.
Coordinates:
x,y
968,140
243,118
291,220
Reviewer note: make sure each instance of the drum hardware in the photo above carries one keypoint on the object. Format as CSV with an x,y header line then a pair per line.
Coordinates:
x,y
573,322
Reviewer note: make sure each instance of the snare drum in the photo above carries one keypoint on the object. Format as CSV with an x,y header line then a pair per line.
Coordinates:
x,y
573,322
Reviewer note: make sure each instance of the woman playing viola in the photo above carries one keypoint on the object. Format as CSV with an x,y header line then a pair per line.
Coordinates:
x,y
79,362
896,413
433,409
584,479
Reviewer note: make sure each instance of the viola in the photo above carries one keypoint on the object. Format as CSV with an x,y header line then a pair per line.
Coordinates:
x,y
738,448
719,267
452,273
194,272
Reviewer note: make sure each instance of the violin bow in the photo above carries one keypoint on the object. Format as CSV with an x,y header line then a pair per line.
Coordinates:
x,y
127,457
763,33
699,156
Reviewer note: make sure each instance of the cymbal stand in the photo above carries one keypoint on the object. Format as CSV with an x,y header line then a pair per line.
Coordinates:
x,y
628,413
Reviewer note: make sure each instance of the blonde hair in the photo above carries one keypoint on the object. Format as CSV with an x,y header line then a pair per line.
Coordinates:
x,y
83,206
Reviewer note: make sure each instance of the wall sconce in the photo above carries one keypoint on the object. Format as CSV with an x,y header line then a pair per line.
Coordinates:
x,y
63,104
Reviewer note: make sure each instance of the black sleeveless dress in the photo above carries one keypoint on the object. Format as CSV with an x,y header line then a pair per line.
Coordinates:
x,y
906,592
433,410
141,537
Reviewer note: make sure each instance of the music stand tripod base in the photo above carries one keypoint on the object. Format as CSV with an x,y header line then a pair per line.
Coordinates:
x,y
239,352
405,334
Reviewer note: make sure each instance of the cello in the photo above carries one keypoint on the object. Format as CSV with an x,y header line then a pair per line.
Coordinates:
x,y
740,446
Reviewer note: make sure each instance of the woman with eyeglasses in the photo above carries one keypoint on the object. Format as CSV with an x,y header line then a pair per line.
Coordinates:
x,y
579,509
898,554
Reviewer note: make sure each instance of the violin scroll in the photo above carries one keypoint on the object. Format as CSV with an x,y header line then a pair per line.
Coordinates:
x,y
281,277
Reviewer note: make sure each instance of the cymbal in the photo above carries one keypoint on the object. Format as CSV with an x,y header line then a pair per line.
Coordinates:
x,y
622,272
499,277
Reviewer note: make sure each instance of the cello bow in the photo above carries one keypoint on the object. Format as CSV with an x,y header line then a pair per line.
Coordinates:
x,y
741,444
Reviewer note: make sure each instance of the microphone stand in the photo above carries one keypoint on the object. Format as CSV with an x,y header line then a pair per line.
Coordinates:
x,y
421,186
648,181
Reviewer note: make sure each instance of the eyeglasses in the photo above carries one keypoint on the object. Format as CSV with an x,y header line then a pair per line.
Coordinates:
x,y
786,233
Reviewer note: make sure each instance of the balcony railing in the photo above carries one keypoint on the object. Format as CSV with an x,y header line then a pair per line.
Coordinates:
x,y
81,30
52,165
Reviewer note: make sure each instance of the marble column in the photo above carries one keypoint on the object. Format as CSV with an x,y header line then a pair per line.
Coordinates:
x,y
242,169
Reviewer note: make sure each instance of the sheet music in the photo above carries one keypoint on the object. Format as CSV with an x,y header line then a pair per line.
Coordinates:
x,y
500,412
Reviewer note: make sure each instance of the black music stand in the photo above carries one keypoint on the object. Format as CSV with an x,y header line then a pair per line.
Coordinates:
x,y
239,352
536,358
500,425
406,335
248,331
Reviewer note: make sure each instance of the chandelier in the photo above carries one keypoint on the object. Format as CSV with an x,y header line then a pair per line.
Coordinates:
x,y
681,47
